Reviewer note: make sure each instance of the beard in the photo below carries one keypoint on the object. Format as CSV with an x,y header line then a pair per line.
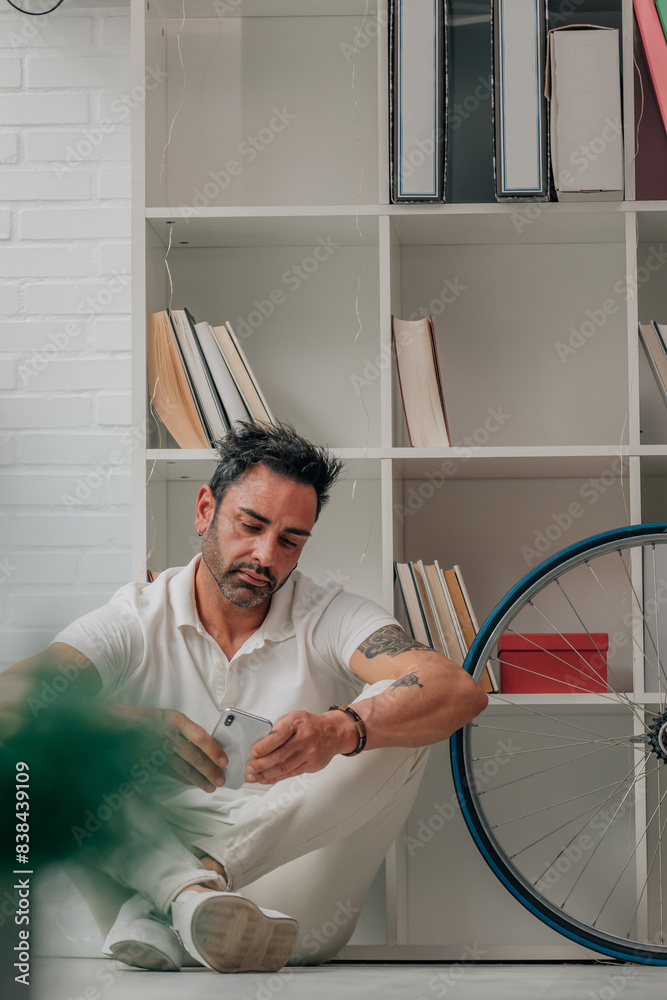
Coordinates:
x,y
238,591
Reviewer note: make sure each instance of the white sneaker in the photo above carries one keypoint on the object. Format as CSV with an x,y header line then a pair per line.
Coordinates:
x,y
228,933
144,938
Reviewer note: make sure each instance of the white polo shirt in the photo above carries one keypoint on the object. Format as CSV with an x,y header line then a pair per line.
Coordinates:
x,y
152,651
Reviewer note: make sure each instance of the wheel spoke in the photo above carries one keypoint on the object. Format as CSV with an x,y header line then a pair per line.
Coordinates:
x,y
553,805
552,767
620,742
647,627
551,736
625,867
657,850
622,695
620,617
600,806
542,715
602,835
602,781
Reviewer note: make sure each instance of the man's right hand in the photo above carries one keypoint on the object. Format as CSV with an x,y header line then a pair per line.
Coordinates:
x,y
193,756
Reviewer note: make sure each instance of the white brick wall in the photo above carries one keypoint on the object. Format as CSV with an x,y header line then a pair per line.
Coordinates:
x,y
64,319
64,345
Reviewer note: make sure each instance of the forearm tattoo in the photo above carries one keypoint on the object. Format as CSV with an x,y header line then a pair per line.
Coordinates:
x,y
408,680
390,640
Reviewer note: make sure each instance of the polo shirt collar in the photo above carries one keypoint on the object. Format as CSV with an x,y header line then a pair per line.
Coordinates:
x,y
182,595
277,625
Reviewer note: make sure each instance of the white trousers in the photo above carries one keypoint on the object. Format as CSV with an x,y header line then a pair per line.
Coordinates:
x,y
309,847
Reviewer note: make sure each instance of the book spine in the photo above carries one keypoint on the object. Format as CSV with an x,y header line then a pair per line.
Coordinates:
x,y
438,378
220,412
188,374
655,47
397,578
421,607
644,336
400,384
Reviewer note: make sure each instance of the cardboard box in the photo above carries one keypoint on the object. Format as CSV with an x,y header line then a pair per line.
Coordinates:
x,y
584,81
547,663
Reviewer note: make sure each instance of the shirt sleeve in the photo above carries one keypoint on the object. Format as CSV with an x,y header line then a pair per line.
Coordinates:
x,y
112,639
347,621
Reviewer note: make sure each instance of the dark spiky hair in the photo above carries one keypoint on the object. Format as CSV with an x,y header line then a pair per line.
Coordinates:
x,y
282,451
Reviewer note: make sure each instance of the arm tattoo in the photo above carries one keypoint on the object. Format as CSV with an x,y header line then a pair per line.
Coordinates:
x,y
390,640
408,680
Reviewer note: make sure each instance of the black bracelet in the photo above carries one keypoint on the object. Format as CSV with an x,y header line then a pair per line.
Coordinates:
x,y
359,723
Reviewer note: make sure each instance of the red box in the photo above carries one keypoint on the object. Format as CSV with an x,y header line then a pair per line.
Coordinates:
x,y
550,655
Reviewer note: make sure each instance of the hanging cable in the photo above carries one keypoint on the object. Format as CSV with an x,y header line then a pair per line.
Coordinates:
x,y
35,13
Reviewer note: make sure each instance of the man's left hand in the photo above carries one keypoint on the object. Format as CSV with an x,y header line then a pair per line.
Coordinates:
x,y
300,743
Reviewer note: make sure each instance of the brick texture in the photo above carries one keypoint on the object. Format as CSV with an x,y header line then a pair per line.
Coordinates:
x,y
64,320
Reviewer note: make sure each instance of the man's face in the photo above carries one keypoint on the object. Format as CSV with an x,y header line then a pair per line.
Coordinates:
x,y
255,538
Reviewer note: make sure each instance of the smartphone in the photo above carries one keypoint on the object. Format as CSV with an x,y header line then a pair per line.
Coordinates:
x,y
236,733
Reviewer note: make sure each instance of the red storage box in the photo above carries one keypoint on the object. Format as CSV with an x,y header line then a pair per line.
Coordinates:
x,y
540,662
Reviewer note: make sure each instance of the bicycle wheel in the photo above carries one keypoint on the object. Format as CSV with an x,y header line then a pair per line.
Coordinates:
x,y
560,783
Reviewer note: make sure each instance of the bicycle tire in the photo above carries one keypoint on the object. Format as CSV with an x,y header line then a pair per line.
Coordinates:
x,y
462,753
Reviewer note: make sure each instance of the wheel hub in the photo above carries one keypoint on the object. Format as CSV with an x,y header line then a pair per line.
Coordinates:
x,y
656,737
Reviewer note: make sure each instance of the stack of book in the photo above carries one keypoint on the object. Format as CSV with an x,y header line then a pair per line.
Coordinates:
x,y
653,337
199,380
439,611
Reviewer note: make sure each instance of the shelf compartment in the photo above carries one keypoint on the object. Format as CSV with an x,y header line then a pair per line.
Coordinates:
x,y
261,8
498,530
261,227
321,297
562,307
269,111
574,222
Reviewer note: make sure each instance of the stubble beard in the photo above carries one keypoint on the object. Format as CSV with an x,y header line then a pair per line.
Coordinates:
x,y
242,595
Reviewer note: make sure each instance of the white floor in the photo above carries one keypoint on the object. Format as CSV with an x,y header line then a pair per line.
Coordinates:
x,y
106,980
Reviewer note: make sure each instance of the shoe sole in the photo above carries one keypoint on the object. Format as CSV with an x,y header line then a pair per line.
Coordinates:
x,y
142,956
234,935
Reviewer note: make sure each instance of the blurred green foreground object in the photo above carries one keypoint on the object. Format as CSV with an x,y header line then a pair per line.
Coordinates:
x,y
65,777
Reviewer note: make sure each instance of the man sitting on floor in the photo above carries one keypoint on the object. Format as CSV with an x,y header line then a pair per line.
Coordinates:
x,y
247,879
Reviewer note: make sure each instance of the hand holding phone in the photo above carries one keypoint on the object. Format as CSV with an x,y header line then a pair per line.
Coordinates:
x,y
236,733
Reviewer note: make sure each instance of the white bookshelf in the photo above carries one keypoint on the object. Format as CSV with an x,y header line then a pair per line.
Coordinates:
x,y
530,273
